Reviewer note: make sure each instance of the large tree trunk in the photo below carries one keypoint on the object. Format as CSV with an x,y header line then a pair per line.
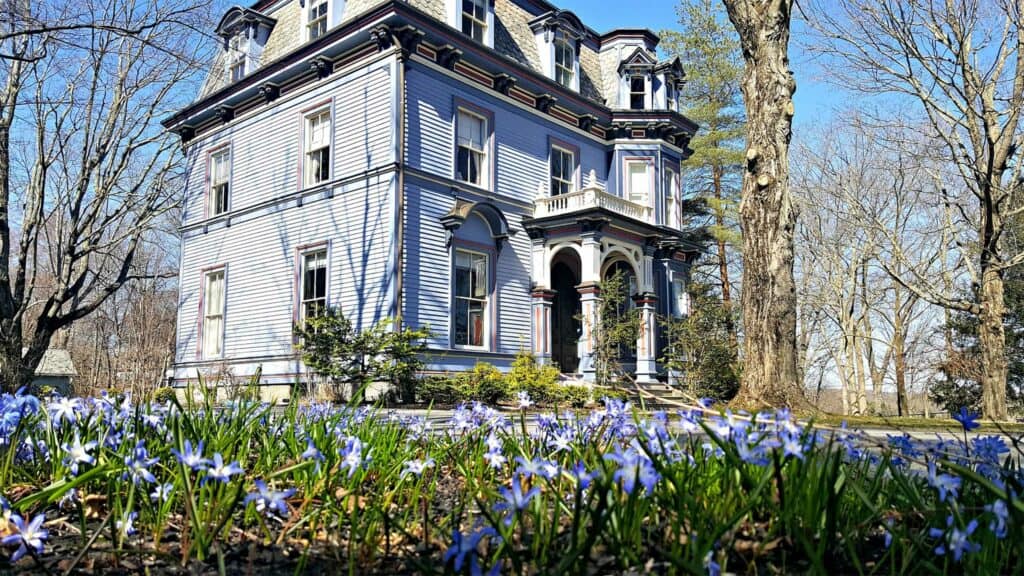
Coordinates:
x,y
767,216
992,341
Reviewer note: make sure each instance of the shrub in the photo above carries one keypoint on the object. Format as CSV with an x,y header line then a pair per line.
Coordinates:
x,y
350,359
484,383
573,394
164,394
439,390
540,382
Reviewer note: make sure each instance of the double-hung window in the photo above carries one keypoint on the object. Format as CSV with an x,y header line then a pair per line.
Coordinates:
x,y
680,299
671,200
238,68
470,299
565,63
639,182
474,19
318,148
471,155
637,92
316,19
563,171
213,314
220,181
313,284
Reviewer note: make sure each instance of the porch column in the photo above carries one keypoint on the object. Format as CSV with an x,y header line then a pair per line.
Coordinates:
x,y
541,302
590,297
646,349
646,302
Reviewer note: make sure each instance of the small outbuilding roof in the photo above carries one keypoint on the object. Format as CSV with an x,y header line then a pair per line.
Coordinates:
x,y
56,362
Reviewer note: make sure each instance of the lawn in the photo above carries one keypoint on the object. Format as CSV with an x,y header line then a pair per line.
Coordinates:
x,y
104,485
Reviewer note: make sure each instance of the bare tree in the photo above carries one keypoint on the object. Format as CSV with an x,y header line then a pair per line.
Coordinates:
x,y
85,169
863,193
963,63
767,214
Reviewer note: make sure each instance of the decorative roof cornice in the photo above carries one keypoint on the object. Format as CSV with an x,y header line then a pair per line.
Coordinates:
x,y
237,16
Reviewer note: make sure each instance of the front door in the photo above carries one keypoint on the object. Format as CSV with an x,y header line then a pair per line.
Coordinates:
x,y
565,322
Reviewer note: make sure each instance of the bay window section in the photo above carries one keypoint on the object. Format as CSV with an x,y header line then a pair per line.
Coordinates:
x,y
639,182
213,314
471,153
318,148
672,207
470,302
680,299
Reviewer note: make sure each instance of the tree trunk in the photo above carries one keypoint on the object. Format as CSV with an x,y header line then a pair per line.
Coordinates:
x,y
767,216
899,355
992,340
723,257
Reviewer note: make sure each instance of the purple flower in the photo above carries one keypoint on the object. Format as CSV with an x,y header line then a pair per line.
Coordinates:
x,y
417,467
515,499
792,446
62,408
138,463
633,466
956,541
311,453
946,484
127,526
29,536
1000,514
162,492
352,455
464,546
268,501
969,420
524,399
193,458
78,453
222,472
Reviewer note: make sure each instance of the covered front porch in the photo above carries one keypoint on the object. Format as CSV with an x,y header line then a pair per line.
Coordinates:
x,y
578,242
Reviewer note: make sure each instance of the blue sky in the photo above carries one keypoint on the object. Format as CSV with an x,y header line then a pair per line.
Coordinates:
x,y
815,100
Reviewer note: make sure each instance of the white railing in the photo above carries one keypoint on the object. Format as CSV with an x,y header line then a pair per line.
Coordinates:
x,y
590,198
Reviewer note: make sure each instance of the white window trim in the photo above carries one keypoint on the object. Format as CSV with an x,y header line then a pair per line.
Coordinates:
x,y
304,180
454,8
680,299
672,182
628,180
572,176
220,335
301,284
211,198
304,30
488,301
630,92
236,60
485,151
571,70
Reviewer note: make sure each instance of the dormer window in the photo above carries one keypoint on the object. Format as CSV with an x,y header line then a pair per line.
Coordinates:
x,y
559,35
245,32
565,63
637,92
474,19
316,22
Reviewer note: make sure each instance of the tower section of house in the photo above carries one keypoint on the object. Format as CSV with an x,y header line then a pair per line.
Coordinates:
x,y
476,167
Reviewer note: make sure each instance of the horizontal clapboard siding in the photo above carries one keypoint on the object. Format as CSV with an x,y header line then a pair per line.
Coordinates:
x,y
260,256
522,140
266,146
427,266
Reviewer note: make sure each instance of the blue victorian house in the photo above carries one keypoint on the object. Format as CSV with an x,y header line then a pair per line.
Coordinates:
x,y
473,166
